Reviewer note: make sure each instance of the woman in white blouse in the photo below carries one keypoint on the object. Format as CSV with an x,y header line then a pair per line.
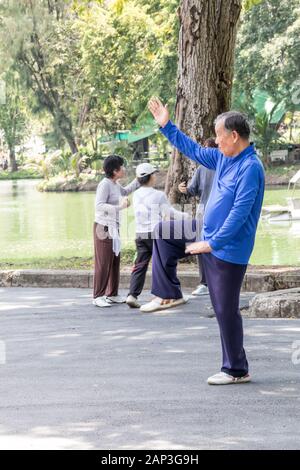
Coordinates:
x,y
111,198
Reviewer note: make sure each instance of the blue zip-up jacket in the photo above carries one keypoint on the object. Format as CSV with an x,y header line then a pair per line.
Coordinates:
x,y
234,205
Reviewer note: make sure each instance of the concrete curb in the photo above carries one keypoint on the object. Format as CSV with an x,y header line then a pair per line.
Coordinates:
x,y
255,281
277,304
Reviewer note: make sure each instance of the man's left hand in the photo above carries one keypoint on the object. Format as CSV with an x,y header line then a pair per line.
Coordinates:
x,y
198,247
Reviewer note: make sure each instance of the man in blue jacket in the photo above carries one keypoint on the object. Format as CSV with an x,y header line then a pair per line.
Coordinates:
x,y
200,185
229,227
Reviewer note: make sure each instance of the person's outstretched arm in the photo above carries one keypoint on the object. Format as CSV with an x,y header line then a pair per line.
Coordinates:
x,y
126,190
208,157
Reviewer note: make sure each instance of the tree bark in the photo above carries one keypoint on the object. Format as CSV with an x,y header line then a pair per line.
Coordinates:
x,y
205,71
12,160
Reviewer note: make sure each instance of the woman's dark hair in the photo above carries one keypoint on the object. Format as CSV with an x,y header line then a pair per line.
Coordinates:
x,y
112,163
144,179
210,142
235,121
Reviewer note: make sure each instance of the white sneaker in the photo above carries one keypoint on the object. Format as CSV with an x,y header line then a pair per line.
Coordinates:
x,y
101,302
156,305
132,302
201,290
115,299
225,379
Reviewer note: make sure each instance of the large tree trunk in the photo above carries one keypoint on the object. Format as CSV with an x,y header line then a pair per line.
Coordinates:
x,y
205,71
12,160
69,136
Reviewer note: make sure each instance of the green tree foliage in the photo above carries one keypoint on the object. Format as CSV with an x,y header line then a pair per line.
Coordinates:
x,y
41,39
92,66
128,53
13,114
268,49
268,60
247,4
266,135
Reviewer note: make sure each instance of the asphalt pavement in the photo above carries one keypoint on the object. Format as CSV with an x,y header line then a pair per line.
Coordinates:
x,y
73,376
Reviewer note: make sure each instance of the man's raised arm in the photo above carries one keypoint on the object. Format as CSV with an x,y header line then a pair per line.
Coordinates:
x,y
208,157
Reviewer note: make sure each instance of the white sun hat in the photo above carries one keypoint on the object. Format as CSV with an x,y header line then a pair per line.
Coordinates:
x,y
145,169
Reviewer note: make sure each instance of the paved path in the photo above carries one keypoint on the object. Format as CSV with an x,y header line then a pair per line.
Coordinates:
x,y
80,377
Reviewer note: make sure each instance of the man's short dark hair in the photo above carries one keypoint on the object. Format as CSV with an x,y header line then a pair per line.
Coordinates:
x,y
112,163
235,121
144,179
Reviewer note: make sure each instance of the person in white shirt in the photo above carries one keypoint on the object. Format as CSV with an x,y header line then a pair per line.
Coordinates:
x,y
151,206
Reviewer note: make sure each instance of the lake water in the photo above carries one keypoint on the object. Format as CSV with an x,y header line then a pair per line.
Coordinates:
x,y
51,225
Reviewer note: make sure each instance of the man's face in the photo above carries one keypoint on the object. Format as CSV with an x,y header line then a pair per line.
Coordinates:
x,y
226,140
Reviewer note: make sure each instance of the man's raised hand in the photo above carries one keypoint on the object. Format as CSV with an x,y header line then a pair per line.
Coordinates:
x,y
159,111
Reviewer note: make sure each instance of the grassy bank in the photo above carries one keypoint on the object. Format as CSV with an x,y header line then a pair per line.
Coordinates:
x,y
127,259
48,263
279,175
71,182
19,175
61,263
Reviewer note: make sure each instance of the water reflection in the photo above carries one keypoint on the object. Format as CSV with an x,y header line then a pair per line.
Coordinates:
x,y
50,225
